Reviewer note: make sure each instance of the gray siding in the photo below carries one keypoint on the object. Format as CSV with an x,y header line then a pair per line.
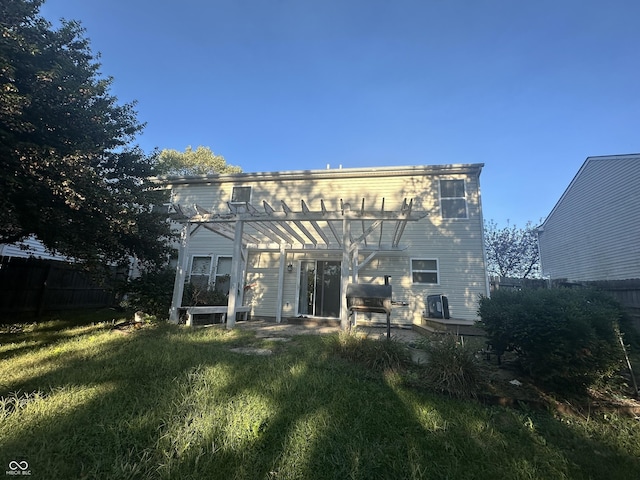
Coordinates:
x,y
593,232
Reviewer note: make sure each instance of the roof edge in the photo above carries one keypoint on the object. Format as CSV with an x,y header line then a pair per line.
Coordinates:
x,y
577,175
474,168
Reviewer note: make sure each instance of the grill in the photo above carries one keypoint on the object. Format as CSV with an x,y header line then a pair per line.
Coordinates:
x,y
370,298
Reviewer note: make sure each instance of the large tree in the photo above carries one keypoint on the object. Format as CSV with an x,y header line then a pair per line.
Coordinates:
x,y
70,173
512,251
201,161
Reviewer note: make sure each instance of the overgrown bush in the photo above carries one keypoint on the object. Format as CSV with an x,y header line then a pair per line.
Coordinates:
x,y
151,293
377,354
452,367
563,338
196,295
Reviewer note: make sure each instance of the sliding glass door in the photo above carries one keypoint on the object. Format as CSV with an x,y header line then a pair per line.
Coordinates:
x,y
319,294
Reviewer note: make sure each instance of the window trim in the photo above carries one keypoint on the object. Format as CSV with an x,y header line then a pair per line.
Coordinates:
x,y
193,257
466,201
232,202
436,271
215,274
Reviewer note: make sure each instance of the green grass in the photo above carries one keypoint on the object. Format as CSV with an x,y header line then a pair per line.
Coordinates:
x,y
167,402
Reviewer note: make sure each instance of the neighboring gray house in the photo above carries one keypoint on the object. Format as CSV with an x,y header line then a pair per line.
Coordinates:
x,y
593,232
286,244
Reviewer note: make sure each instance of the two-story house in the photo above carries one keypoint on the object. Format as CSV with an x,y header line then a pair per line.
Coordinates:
x,y
286,244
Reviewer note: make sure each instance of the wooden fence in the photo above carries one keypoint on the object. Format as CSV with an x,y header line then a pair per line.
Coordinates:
x,y
627,292
497,283
34,286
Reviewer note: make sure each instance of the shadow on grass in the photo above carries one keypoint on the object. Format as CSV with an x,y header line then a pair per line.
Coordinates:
x,y
171,402
21,337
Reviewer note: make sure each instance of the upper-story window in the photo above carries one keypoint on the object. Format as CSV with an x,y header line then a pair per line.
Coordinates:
x,y
241,195
453,199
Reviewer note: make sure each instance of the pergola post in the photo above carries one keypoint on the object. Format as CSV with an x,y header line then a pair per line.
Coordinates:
x,y
344,271
236,273
283,258
181,273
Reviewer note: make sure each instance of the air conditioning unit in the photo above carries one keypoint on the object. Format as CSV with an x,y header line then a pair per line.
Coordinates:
x,y
437,306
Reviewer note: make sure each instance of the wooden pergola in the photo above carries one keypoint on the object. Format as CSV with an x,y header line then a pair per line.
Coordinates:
x,y
347,230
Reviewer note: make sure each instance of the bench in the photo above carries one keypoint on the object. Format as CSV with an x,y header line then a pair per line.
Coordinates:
x,y
191,311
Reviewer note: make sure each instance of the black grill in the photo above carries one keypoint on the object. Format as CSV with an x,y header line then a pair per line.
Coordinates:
x,y
370,298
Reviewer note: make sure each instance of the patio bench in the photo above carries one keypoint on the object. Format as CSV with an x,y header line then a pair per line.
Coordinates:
x,y
222,309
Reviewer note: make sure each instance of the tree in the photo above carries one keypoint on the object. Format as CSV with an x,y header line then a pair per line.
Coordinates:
x,y
70,175
512,251
201,161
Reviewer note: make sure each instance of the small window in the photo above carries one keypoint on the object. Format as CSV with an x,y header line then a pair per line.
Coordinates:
x,y
453,199
241,195
200,272
223,275
424,271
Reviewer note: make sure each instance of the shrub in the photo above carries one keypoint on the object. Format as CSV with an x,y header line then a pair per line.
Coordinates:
x,y
452,367
151,292
564,338
196,295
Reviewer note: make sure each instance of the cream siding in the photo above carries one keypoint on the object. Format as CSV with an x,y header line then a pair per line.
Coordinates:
x,y
455,243
592,233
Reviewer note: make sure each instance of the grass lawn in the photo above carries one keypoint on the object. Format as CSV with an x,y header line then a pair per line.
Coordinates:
x,y
170,402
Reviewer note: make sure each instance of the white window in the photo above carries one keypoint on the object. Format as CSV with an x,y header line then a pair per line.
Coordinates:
x,y
200,271
425,270
223,275
453,199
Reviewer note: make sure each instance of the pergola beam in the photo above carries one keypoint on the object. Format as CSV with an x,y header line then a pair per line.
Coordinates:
x,y
245,222
270,212
305,217
314,224
299,224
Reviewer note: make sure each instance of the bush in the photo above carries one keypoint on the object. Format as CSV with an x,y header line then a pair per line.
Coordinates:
x,y
452,367
151,292
196,295
563,338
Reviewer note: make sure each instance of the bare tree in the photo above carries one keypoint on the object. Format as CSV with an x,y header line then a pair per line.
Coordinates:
x,y
512,251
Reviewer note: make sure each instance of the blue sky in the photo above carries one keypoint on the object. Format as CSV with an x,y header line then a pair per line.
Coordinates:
x,y
530,89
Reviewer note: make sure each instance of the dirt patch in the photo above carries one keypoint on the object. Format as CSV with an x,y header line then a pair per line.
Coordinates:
x,y
252,351
128,327
264,329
